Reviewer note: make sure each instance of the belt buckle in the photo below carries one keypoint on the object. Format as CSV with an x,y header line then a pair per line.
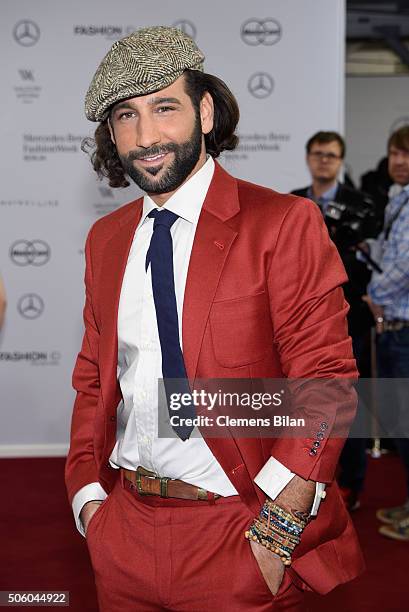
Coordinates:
x,y
141,471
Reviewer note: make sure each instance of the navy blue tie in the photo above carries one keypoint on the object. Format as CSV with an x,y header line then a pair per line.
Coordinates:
x,y
160,257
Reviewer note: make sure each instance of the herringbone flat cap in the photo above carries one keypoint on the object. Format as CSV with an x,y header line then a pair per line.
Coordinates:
x,y
148,60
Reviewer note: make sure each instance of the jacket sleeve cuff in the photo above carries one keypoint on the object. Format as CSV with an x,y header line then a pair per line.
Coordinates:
x,y
91,492
274,477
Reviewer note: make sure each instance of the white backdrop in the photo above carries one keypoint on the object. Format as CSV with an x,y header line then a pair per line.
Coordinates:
x,y
375,107
284,60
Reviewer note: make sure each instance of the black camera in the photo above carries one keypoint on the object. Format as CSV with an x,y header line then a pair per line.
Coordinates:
x,y
348,224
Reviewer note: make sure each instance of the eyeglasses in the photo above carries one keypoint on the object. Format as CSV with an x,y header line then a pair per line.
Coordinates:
x,y
320,155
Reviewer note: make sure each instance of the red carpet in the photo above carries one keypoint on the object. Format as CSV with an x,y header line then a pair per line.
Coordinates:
x,y
385,585
40,549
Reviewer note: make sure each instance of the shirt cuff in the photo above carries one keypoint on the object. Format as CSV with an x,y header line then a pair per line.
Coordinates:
x,y
91,492
274,477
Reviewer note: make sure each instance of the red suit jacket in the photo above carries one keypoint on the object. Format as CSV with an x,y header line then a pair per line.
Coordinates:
x,y
263,299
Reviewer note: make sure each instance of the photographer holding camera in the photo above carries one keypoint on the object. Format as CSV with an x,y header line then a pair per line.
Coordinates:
x,y
350,217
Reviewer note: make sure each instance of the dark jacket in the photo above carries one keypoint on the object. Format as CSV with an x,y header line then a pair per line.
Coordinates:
x,y
359,318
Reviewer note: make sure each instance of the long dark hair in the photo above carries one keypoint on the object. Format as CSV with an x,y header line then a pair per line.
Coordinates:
x,y
103,153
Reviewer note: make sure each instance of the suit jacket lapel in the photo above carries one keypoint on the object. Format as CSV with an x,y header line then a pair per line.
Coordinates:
x,y
213,240
211,247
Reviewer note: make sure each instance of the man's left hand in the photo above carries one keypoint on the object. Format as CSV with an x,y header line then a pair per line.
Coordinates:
x,y
270,566
297,495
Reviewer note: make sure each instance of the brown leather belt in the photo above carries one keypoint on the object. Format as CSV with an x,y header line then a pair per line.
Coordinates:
x,y
148,483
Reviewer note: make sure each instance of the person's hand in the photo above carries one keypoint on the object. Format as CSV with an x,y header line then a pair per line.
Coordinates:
x,y
377,312
297,495
87,512
270,566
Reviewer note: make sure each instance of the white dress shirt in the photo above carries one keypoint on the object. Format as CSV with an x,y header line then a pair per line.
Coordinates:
x,y
140,365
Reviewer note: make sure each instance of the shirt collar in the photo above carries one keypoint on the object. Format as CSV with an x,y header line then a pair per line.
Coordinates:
x,y
188,200
396,189
327,196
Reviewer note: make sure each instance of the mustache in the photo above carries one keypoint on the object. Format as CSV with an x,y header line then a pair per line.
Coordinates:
x,y
151,152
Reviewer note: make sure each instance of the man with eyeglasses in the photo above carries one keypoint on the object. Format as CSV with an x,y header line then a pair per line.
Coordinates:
x,y
325,153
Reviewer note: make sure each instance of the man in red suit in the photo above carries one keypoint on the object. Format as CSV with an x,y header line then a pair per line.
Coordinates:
x,y
206,277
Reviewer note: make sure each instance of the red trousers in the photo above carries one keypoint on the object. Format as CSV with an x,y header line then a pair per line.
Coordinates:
x,y
151,554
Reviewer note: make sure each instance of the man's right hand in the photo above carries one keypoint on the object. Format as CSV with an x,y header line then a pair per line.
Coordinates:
x,y
87,512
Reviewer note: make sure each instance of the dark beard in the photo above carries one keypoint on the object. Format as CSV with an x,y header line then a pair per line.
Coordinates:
x,y
186,156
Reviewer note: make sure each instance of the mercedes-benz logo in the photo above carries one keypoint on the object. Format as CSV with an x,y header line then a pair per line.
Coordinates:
x,y
260,85
30,306
186,26
29,252
26,33
261,32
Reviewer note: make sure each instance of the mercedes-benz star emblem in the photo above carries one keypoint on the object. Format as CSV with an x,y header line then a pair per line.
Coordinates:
x,y
26,33
261,32
29,252
187,27
260,85
30,306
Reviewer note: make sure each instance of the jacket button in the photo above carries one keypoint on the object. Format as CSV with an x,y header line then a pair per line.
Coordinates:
x,y
112,418
320,435
317,444
324,426
313,452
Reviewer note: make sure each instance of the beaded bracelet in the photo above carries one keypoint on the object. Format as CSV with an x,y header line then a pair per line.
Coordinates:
x,y
262,526
283,554
285,524
286,516
277,530
268,542
278,537
296,531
